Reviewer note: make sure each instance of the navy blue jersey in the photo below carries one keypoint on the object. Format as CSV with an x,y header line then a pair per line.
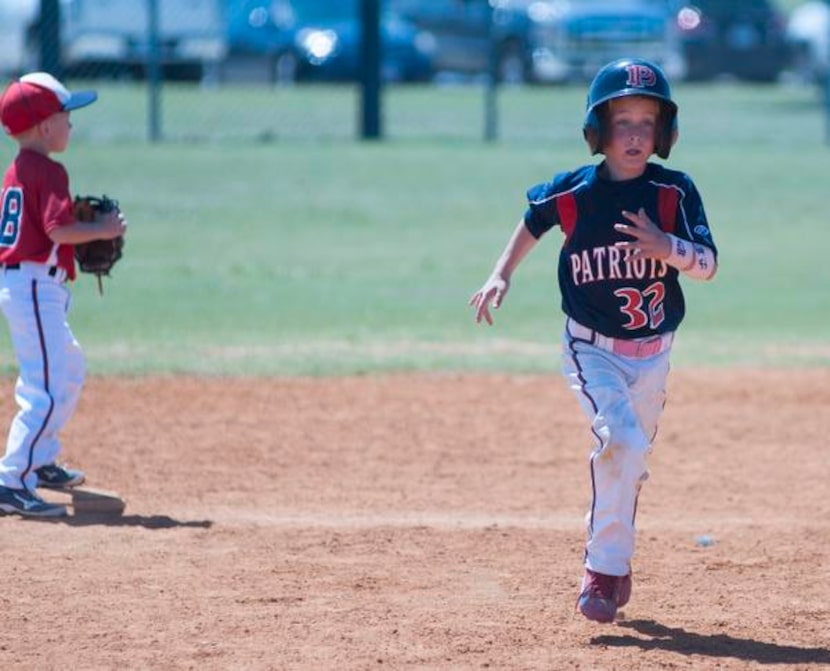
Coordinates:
x,y
602,286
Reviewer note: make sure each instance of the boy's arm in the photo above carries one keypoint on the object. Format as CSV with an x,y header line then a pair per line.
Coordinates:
x,y
497,285
108,226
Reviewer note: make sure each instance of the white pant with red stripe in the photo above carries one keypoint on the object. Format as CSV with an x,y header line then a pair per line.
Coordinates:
x,y
623,398
51,369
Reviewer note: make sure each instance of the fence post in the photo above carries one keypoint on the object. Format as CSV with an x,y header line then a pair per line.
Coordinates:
x,y
153,72
492,81
827,82
49,36
370,58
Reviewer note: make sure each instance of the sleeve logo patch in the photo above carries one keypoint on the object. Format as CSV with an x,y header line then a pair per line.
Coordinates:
x,y
702,230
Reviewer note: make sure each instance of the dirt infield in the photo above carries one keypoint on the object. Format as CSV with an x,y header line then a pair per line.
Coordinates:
x,y
422,522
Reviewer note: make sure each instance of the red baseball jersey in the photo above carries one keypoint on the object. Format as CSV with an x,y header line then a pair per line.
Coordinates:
x,y
35,201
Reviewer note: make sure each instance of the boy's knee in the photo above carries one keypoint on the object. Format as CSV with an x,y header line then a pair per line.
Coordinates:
x,y
624,435
625,445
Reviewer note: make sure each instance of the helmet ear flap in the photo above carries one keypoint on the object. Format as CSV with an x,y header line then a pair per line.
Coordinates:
x,y
667,133
664,145
592,132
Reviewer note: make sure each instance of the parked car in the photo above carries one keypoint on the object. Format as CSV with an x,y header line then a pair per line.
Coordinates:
x,y
460,30
15,17
264,31
808,32
545,40
112,37
574,38
743,38
319,40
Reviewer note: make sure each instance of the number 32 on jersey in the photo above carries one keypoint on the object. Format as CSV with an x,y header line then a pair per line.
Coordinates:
x,y
643,308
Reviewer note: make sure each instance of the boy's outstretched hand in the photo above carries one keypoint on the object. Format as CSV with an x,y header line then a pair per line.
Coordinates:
x,y
650,241
493,293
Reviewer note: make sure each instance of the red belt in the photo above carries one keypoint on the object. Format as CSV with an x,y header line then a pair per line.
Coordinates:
x,y
638,348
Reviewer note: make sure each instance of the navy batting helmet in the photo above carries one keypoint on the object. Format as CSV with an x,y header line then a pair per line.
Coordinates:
x,y
630,77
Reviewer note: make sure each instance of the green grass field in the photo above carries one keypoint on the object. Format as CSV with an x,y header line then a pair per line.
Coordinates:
x,y
265,240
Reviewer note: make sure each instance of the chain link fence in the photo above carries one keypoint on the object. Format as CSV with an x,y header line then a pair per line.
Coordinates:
x,y
212,70
280,70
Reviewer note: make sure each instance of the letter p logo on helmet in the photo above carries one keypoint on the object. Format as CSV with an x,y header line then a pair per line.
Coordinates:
x,y
641,76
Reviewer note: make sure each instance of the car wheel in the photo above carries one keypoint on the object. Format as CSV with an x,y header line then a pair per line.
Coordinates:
x,y
699,71
765,77
284,68
510,66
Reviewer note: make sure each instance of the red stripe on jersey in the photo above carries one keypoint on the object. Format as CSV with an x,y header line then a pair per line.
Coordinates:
x,y
566,206
667,208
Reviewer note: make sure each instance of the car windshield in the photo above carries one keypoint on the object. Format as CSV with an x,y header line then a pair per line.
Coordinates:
x,y
616,3
322,11
611,3
729,5
724,7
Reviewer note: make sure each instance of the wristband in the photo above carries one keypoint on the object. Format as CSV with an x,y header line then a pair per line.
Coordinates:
x,y
682,255
705,264
696,261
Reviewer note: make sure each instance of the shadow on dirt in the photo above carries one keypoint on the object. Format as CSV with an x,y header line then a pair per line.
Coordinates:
x,y
711,645
144,521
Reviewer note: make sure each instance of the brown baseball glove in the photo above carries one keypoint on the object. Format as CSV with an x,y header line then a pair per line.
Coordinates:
x,y
97,256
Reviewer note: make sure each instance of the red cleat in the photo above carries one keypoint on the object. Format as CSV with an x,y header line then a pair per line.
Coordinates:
x,y
602,594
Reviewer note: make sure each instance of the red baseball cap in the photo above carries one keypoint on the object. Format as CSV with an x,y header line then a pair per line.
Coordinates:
x,y
34,98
